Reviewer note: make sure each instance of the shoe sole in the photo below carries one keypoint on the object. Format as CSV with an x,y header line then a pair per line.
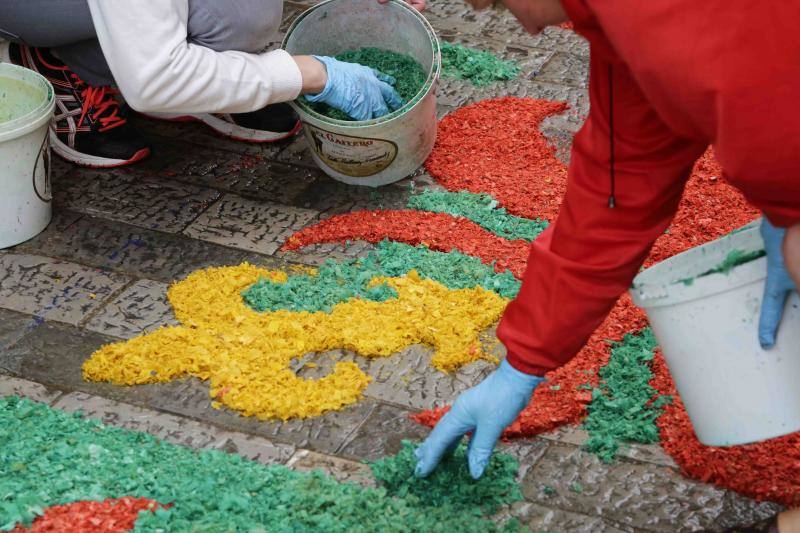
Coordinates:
x,y
90,161
231,131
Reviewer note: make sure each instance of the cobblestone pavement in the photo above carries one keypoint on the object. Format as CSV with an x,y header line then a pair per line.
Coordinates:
x,y
118,239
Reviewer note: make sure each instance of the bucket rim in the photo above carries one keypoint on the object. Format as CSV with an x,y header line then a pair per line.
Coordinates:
x,y
39,115
659,286
433,74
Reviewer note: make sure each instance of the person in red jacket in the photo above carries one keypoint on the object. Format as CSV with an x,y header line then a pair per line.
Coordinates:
x,y
667,78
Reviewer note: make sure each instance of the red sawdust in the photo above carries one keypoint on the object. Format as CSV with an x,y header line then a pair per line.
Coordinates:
x,y
108,516
438,231
710,209
495,147
768,470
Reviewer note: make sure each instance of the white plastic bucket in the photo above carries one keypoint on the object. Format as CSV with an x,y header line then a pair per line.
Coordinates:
x,y
384,150
734,392
26,107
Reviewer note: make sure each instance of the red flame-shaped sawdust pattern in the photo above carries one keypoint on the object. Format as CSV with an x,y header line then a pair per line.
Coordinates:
x,y
108,516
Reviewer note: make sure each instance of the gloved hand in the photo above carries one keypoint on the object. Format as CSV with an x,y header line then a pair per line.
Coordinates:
x,y
486,409
361,92
779,285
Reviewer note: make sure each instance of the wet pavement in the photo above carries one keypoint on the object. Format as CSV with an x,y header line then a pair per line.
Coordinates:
x,y
100,271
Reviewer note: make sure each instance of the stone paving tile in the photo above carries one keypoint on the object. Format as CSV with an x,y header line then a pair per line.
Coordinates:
x,y
140,308
382,432
174,429
462,93
526,451
458,18
11,386
634,494
645,453
249,175
740,511
53,354
132,197
14,326
53,289
138,252
336,467
406,379
331,197
249,225
565,69
543,518
317,254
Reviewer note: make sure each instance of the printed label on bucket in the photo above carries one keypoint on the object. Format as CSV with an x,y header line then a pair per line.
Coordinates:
x,y
358,157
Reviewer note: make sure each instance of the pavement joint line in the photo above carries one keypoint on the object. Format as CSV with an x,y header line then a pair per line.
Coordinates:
x,y
104,304
350,436
222,195
39,317
59,392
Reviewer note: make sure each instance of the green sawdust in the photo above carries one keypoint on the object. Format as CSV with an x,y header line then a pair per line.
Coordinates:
x,y
623,408
477,66
481,209
338,282
451,484
51,458
734,259
404,69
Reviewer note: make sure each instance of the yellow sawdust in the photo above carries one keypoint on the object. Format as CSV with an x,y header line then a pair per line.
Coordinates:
x,y
246,354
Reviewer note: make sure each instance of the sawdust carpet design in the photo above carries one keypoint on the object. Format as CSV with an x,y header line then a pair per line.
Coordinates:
x,y
246,355
495,147
72,472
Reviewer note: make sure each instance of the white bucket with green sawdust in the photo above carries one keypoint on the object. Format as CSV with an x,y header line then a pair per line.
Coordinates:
x,y
383,150
704,307
26,107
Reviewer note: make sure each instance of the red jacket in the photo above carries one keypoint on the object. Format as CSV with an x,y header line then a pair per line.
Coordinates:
x,y
667,78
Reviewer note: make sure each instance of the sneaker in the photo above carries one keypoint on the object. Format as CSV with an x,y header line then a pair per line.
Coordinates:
x,y
89,127
273,123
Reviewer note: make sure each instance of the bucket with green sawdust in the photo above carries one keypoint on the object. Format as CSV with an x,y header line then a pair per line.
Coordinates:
x,y
395,39
26,107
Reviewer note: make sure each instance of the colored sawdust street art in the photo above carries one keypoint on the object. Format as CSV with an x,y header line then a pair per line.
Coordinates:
x,y
441,272
495,149
246,354
73,474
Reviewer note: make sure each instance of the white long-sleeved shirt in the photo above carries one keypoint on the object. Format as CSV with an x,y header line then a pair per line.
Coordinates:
x,y
158,70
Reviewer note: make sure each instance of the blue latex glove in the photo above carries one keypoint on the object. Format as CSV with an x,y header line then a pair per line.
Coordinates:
x,y
486,409
361,92
779,285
